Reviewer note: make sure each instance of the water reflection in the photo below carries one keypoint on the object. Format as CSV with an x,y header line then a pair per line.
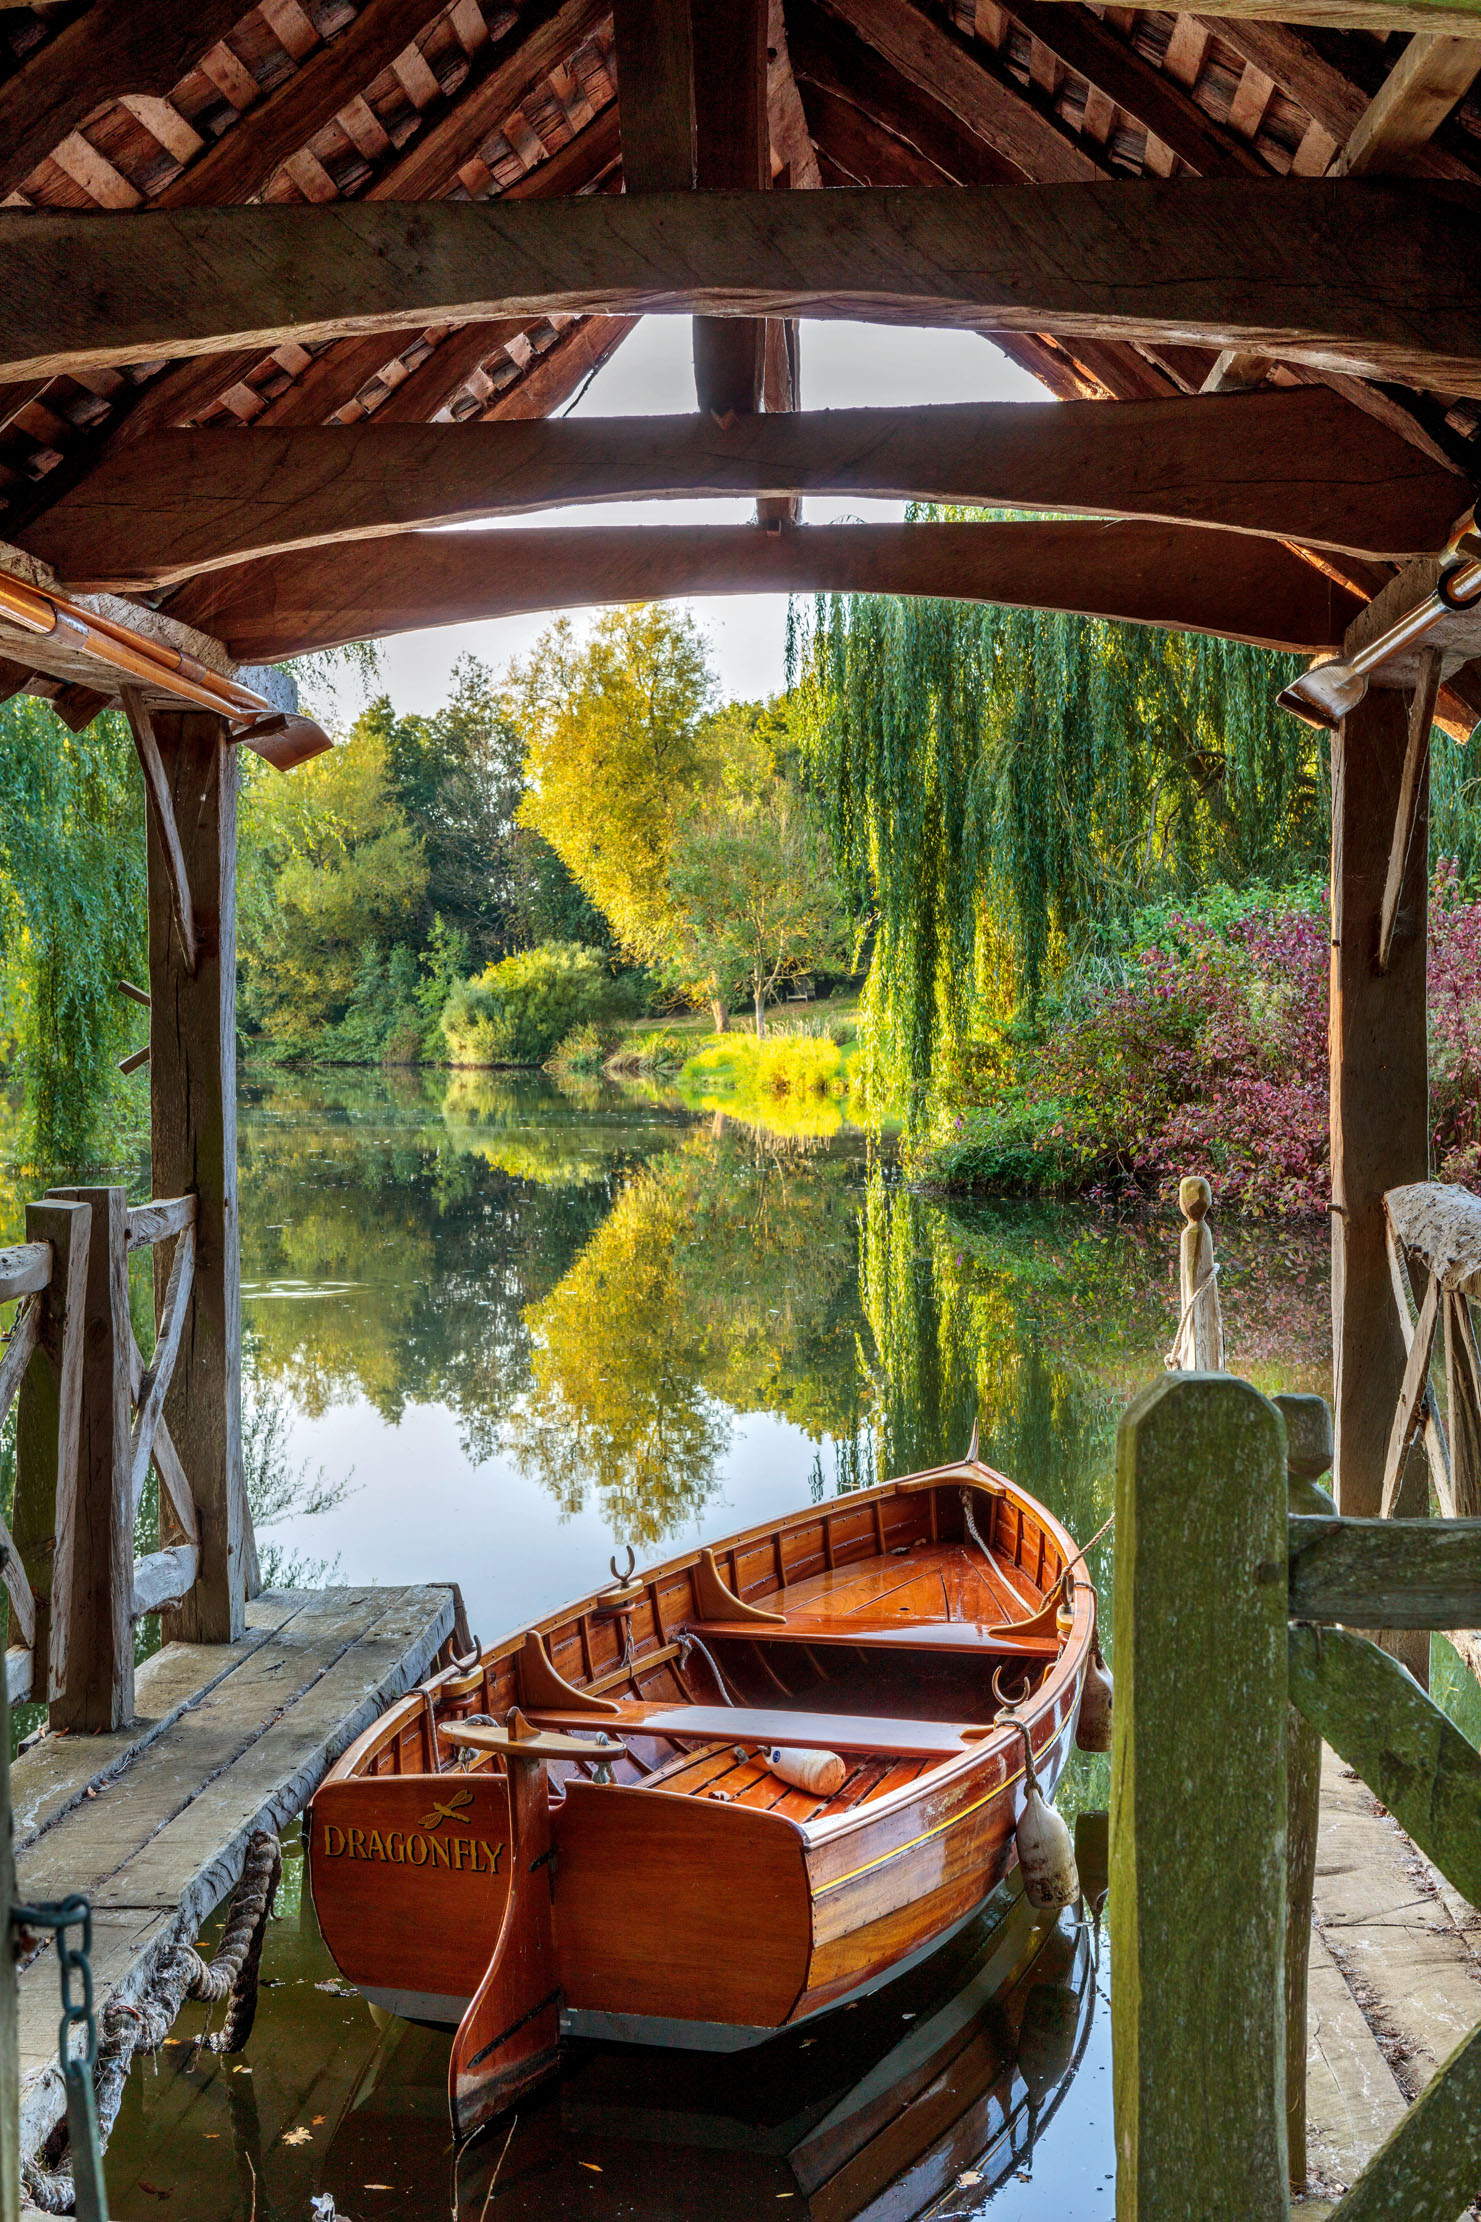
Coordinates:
x,y
658,1327
536,1325
941,2094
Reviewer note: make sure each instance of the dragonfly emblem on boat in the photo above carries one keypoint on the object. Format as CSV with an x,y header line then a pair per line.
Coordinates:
x,y
452,1811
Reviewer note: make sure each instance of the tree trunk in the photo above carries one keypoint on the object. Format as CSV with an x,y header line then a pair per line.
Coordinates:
x,y
760,1016
720,1015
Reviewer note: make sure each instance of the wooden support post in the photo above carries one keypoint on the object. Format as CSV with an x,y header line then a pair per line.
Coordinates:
x,y
192,1084
732,149
48,1419
1378,1040
10,2048
93,1639
1198,1810
1308,1455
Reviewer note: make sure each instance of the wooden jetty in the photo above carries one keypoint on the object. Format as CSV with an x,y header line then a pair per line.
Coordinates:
x,y
152,1820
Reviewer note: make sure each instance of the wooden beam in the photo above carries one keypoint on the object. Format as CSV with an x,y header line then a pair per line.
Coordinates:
x,y
113,47
791,144
1146,574
831,61
48,1432
1381,279
1380,16
162,813
1412,786
93,1646
732,151
1289,465
1379,1084
192,1088
1430,78
948,67
655,94
1407,1573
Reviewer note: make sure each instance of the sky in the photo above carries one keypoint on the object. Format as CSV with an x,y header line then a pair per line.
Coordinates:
x,y
844,366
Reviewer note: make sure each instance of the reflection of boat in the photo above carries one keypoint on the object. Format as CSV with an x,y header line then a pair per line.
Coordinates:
x,y
956,2066
638,1866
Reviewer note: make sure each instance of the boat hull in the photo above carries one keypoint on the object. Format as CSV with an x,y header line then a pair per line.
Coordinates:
x,y
672,1909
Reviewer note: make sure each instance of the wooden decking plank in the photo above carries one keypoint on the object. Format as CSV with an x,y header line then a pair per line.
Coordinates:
x,y
197,1855
82,1849
246,1755
51,1778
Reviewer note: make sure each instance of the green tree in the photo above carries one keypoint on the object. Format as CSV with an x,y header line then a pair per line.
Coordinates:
x,y
1001,783
73,920
330,864
617,748
755,892
458,776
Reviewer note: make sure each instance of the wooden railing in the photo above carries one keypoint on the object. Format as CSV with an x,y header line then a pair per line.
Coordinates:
x,y
1229,1612
90,1423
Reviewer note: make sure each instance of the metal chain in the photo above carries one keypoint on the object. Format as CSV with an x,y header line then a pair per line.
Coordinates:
x,y
74,1964
75,1976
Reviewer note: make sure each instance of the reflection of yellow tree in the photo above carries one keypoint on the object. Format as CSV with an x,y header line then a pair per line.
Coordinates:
x,y
725,1277
617,1392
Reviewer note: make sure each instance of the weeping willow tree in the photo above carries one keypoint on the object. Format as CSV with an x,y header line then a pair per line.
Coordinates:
x,y
1001,785
73,918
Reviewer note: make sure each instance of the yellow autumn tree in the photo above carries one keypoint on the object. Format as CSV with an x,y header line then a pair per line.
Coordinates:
x,y
618,746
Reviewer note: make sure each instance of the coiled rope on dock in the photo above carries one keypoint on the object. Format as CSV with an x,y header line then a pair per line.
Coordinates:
x,y
143,2024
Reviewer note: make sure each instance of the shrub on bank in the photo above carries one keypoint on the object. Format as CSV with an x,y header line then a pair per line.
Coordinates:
x,y
515,1013
1204,1050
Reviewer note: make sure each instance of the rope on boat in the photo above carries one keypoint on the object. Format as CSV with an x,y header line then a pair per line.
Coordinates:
x,y
128,2028
688,1642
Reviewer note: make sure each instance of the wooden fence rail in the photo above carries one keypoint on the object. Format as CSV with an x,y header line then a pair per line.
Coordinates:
x,y
1231,1641
89,1425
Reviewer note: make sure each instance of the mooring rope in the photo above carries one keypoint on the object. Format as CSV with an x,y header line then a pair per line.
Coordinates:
x,y
128,2028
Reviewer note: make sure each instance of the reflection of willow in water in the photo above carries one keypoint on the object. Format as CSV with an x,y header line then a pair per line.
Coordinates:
x,y
722,1282
1042,1322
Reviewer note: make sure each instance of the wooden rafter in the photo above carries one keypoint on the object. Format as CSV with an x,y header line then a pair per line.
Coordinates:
x,y
241,162
1093,50
1430,78
1182,577
1292,465
1380,279
1380,16
115,46
947,67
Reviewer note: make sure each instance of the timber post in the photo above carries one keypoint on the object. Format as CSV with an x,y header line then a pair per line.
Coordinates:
x,y
47,1424
1198,1807
10,2045
1379,1093
192,1085
92,1645
1308,1455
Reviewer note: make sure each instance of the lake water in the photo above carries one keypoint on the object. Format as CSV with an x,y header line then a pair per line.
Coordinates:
x,y
496,1333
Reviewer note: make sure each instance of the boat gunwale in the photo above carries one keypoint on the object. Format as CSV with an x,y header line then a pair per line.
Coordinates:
x,y
832,1829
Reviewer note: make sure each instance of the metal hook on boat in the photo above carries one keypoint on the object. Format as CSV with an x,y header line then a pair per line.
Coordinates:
x,y
632,1566
1009,1702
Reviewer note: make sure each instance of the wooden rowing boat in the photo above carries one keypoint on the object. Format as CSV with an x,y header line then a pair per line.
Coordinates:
x,y
579,1830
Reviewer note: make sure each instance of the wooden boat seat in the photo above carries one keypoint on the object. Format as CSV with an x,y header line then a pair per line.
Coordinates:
x,y
745,1724
873,1632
